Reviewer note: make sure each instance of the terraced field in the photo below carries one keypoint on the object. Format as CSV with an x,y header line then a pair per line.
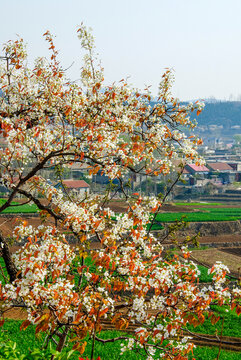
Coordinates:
x,y
202,214
233,251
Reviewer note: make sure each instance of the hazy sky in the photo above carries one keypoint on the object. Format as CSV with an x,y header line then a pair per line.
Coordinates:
x,y
199,39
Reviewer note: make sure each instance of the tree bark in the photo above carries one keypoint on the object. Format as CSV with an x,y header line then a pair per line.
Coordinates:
x,y
62,340
7,257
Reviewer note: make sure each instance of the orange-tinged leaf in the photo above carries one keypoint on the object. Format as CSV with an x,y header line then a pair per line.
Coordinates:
x,y
201,318
214,319
76,346
82,347
38,328
68,110
238,310
211,271
103,312
156,332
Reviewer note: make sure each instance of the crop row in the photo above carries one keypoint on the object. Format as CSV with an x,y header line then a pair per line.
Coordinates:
x,y
201,216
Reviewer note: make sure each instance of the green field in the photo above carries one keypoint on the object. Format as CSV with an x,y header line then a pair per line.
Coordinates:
x,y
196,204
202,212
26,342
17,208
231,324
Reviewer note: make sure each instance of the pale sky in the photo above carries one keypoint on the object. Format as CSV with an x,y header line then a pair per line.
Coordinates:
x,y
199,39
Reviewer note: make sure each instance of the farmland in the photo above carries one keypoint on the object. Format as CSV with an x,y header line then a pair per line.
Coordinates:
x,y
190,212
202,214
26,342
19,208
228,326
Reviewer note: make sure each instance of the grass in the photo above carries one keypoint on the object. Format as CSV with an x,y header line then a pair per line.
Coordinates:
x,y
196,204
4,277
18,208
210,353
231,325
204,276
26,341
205,212
155,226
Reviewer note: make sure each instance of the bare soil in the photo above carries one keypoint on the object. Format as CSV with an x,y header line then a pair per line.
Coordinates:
x,y
8,223
233,251
210,256
16,314
121,206
220,239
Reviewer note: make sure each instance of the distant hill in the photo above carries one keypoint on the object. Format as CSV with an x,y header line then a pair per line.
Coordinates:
x,y
226,113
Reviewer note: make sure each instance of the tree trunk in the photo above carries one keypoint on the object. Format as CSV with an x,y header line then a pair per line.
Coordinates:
x,y
62,339
6,254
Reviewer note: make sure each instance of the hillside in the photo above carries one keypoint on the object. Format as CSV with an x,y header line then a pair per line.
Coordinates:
x,y
226,113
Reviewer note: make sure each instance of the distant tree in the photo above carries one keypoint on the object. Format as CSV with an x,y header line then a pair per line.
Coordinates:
x,y
237,139
210,189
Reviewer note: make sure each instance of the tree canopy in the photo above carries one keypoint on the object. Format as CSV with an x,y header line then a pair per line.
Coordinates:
x,y
48,122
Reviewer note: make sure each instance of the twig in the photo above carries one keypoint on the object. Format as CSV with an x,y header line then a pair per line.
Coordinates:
x,y
4,276
94,336
220,339
81,275
111,340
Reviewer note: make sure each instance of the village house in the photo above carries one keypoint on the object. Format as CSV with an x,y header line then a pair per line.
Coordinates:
x,y
78,170
77,186
223,171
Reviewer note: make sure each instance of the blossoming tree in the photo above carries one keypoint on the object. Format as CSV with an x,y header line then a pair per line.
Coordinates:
x,y
48,122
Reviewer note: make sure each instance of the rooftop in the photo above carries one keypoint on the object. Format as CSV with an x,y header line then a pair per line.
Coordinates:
x,y
75,184
219,166
198,168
